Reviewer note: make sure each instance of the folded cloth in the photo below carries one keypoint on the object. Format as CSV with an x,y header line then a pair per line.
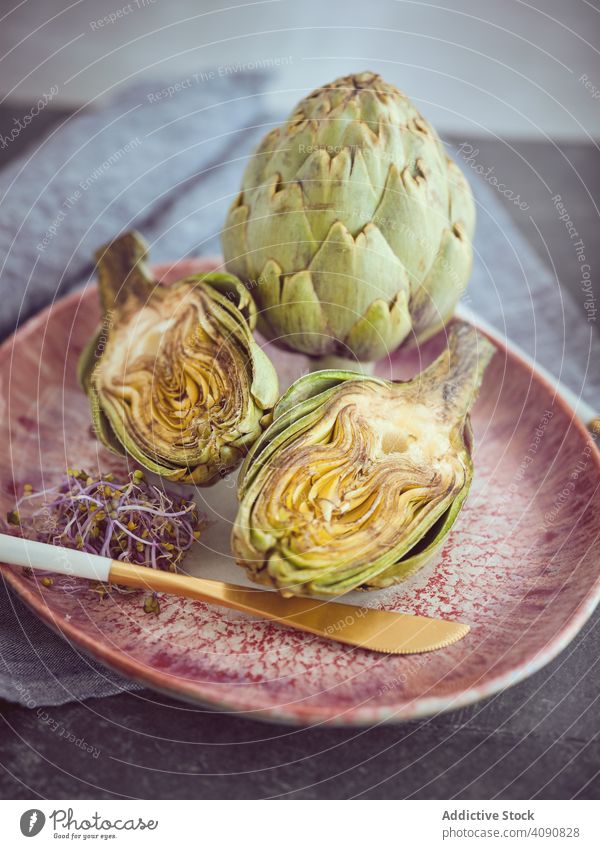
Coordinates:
x,y
169,164
37,667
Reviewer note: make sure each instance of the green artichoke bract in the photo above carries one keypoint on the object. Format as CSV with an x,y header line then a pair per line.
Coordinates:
x,y
353,228
174,376
358,480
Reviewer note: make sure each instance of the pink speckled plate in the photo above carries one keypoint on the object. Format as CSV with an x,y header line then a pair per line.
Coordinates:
x,y
521,565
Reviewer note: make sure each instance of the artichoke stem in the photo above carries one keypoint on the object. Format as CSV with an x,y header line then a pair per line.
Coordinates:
x,y
331,361
122,270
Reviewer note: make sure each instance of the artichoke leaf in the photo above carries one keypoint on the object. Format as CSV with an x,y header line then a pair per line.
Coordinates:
x,y
234,239
381,329
311,385
432,304
234,291
85,368
291,304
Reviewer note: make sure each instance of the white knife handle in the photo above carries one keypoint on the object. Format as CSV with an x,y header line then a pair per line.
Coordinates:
x,y
38,555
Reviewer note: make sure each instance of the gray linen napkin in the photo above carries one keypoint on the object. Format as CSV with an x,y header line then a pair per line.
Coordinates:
x,y
169,165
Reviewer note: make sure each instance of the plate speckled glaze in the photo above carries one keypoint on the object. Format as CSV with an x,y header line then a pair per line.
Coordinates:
x,y
520,566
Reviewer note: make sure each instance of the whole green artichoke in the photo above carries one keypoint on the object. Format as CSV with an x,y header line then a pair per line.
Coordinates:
x,y
174,376
358,480
353,228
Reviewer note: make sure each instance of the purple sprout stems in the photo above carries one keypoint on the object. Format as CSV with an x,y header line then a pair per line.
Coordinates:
x,y
133,521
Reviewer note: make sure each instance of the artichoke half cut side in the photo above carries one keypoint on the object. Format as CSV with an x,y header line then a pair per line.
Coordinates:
x,y
358,480
174,376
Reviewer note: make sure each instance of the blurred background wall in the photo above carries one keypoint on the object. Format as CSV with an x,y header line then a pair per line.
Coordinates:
x,y
475,67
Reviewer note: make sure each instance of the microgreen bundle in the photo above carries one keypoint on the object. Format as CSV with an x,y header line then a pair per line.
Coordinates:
x,y
135,521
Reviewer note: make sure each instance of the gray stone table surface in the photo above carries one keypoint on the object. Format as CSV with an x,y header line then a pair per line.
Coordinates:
x,y
537,739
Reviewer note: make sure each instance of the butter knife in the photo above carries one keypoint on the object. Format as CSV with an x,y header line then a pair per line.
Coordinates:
x,y
377,630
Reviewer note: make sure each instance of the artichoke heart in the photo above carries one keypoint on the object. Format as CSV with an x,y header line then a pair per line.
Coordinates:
x,y
174,375
358,480
352,226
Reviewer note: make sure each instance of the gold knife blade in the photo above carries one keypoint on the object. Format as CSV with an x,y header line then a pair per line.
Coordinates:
x,y
377,630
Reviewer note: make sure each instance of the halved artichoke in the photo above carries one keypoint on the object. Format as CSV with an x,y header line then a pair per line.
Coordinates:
x,y
358,480
174,376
